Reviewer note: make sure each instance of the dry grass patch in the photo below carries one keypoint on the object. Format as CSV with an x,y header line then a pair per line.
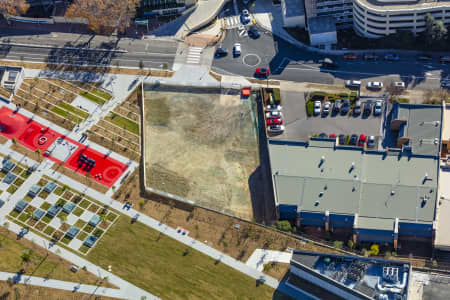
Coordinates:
x,y
31,292
78,177
276,270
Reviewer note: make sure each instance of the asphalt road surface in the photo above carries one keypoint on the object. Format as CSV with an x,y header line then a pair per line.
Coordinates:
x,y
98,50
287,62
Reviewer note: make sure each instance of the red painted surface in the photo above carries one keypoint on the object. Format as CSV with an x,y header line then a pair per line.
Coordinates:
x,y
34,135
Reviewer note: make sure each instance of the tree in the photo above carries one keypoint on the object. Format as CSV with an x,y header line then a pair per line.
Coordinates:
x,y
350,244
13,7
141,64
284,226
104,16
435,31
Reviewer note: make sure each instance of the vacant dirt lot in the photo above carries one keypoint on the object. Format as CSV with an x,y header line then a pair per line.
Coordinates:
x,y
201,144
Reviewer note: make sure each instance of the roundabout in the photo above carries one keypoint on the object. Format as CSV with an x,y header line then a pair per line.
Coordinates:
x,y
251,60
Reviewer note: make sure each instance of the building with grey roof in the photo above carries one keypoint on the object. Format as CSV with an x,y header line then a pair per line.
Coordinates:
x,y
322,31
331,276
418,127
378,196
293,13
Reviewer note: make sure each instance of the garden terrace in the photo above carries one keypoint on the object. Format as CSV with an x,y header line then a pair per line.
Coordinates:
x,y
120,130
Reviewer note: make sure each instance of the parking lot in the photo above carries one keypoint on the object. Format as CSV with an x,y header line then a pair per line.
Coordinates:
x,y
300,127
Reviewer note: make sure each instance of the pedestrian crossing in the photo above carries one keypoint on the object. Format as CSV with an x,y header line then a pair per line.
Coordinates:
x,y
232,22
194,55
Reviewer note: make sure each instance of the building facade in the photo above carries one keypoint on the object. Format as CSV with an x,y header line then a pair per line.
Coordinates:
x,y
377,18
380,18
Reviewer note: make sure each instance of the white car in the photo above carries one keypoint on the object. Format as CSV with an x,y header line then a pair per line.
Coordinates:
x,y
245,17
274,114
273,107
376,85
326,108
237,49
353,83
399,84
317,106
378,107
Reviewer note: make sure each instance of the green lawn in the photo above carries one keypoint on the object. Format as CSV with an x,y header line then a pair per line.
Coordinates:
x,y
84,203
122,122
39,265
65,114
74,110
94,98
45,206
77,211
102,94
168,268
12,189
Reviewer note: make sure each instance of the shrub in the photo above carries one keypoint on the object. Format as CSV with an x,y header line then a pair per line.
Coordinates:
x,y
374,249
402,100
338,244
310,108
350,244
343,95
435,263
276,96
284,226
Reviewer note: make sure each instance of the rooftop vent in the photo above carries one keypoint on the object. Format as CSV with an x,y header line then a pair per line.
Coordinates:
x,y
320,194
392,193
322,159
325,187
437,123
436,141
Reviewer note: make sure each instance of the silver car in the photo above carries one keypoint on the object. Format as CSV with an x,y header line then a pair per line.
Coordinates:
x,y
377,108
326,108
273,107
275,128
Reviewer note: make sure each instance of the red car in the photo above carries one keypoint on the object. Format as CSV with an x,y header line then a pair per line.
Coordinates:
x,y
350,56
332,136
362,140
275,121
262,72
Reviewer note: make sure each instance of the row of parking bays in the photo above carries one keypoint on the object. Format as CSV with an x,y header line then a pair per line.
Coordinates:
x,y
351,140
343,107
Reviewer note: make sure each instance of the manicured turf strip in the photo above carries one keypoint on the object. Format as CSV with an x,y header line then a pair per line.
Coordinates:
x,y
170,269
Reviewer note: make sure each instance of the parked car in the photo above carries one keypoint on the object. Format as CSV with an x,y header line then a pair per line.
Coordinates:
x,y
273,107
362,140
353,140
276,128
371,141
445,84
245,17
274,121
323,135
253,32
444,59
391,57
370,56
353,83
342,138
237,49
345,106
374,85
399,84
337,106
377,108
317,107
329,64
367,107
221,52
357,108
350,56
332,136
262,72
274,114
424,57
326,108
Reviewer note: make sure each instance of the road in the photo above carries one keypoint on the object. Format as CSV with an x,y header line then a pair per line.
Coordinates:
x,y
126,52
287,62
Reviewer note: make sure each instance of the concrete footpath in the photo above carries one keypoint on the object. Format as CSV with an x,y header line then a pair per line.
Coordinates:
x,y
62,285
260,257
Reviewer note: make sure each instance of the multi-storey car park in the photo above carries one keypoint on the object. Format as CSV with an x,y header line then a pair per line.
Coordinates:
x,y
384,196
383,17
